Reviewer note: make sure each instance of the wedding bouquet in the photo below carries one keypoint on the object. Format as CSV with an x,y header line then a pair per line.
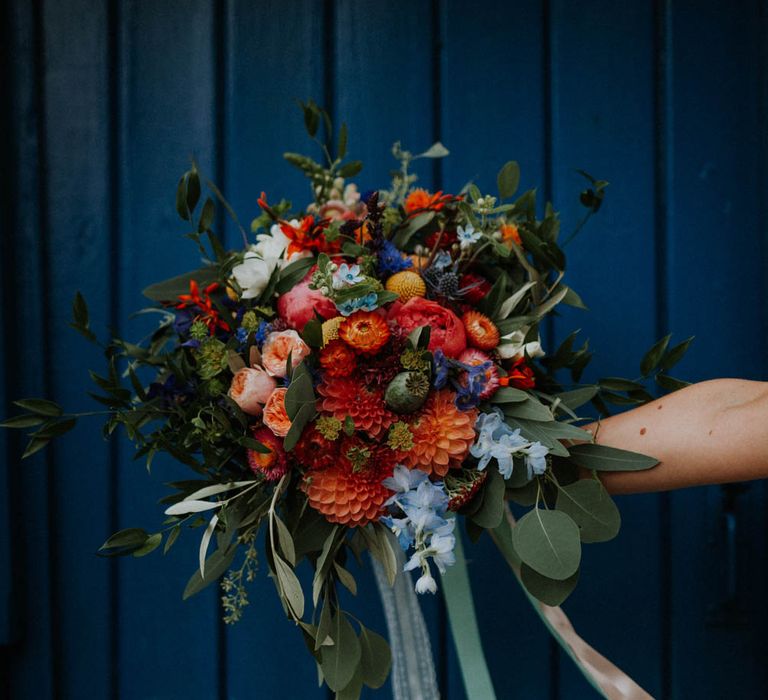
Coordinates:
x,y
359,375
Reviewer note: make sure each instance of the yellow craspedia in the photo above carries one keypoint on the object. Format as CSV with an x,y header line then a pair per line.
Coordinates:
x,y
331,329
406,284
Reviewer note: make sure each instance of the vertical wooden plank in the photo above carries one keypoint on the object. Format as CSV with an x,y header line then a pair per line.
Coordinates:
x,y
384,91
77,121
262,121
30,658
603,115
717,225
166,79
492,104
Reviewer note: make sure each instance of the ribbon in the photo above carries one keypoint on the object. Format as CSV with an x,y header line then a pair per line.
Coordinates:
x,y
605,677
466,634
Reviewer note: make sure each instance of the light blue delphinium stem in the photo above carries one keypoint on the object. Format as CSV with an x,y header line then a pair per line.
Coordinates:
x,y
413,667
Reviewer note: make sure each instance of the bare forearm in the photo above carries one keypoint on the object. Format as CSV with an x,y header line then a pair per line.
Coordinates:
x,y
712,432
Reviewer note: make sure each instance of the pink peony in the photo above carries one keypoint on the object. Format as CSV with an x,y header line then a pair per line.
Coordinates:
x,y
298,305
250,389
277,347
446,329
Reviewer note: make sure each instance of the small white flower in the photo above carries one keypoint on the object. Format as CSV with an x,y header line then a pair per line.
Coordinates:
x,y
513,346
467,236
426,584
252,275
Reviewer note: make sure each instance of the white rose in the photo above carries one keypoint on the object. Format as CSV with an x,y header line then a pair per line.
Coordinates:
x,y
513,346
252,275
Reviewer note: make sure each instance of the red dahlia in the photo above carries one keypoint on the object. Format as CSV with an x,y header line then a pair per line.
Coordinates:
x,y
347,396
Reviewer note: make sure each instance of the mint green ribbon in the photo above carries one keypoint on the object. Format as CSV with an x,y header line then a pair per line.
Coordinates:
x,y
466,634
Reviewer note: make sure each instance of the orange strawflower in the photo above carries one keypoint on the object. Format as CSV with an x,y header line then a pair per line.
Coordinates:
x,y
275,416
347,396
365,331
338,359
272,464
510,232
442,435
351,492
481,331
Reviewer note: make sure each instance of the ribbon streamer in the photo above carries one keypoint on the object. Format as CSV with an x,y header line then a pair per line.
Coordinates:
x,y
466,634
605,677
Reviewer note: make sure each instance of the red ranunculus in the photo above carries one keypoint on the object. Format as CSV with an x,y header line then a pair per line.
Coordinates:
x,y
447,331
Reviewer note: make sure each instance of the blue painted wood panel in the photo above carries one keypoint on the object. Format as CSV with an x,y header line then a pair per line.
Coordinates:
x,y
108,102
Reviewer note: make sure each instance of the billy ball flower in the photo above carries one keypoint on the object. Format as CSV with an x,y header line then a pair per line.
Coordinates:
x,y
406,284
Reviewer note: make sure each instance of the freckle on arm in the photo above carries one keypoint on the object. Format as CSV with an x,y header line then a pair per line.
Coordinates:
x,y
659,407
642,431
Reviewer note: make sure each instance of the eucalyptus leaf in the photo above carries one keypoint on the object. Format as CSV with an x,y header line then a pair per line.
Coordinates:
x,y
289,586
508,394
323,637
548,590
652,358
41,407
340,661
591,508
492,509
26,420
347,580
186,507
603,458
577,397
508,179
215,566
376,658
205,541
436,150
414,225
286,541
548,541
293,273
530,409
152,543
670,383
672,356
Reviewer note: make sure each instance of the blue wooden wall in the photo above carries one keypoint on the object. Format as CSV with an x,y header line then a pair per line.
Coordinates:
x,y
104,105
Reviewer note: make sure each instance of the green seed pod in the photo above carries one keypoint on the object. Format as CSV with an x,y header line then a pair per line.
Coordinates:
x,y
407,392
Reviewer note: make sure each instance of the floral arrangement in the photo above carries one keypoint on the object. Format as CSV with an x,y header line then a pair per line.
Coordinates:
x,y
356,377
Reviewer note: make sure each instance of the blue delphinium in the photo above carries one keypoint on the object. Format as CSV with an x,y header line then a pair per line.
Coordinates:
x,y
262,332
424,504
391,260
497,440
468,389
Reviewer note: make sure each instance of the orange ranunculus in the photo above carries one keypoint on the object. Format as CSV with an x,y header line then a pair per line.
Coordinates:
x,y
275,416
365,331
337,359
277,347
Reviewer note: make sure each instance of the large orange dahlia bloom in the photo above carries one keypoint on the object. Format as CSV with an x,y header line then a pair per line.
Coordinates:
x,y
352,493
348,396
442,435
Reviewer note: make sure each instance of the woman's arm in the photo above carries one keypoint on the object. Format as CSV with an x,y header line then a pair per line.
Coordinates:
x,y
707,433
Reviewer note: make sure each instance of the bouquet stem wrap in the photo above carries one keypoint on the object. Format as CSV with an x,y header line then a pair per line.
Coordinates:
x,y
413,667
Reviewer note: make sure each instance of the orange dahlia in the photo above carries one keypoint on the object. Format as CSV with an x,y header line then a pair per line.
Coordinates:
x,y
442,435
351,492
481,331
346,396
272,464
315,451
337,359
365,331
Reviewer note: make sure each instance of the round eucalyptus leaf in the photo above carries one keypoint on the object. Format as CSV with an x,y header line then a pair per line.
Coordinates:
x,y
548,541
591,508
547,590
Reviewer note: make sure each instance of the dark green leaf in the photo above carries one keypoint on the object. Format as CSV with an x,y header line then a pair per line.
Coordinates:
x,y
181,198
548,590
339,662
172,537
531,409
313,333
152,543
193,189
41,407
508,179
169,290
305,414
577,397
492,509
131,537
341,150
674,355
618,384
603,458
293,273
652,358
323,626
375,659
508,394
415,224
34,446
591,508
548,541
27,420
351,169
215,566
347,580
206,216
670,383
